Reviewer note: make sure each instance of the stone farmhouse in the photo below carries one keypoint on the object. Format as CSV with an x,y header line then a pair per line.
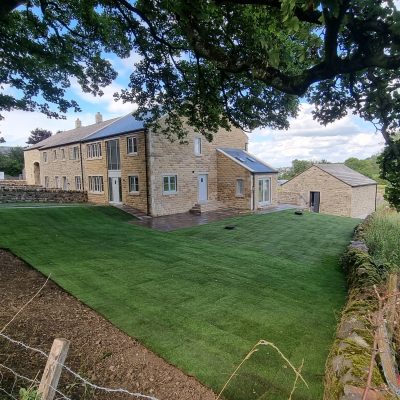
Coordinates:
x,y
331,189
119,161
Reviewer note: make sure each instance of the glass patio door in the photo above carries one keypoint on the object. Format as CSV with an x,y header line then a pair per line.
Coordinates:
x,y
264,191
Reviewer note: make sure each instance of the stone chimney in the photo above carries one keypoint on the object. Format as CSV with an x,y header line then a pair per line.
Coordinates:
x,y
78,123
99,118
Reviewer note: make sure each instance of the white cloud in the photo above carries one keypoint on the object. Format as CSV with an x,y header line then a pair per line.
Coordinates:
x,y
307,139
105,102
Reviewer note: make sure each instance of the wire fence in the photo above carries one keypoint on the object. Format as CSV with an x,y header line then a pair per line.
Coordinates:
x,y
82,387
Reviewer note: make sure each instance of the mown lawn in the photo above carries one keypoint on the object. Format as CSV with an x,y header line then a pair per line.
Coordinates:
x,y
202,297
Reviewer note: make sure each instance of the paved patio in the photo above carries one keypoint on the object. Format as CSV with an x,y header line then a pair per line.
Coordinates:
x,y
186,220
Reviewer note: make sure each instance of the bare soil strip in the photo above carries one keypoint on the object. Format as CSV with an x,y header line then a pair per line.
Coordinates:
x,y
99,351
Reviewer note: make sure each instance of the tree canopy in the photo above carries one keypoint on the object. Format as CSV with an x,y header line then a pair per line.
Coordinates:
x,y
12,162
215,62
37,135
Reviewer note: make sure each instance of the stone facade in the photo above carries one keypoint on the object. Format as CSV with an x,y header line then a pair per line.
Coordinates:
x,y
32,166
336,197
363,201
178,175
174,159
228,174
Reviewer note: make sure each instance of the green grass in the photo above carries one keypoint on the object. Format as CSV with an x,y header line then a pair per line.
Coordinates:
x,y
382,236
202,297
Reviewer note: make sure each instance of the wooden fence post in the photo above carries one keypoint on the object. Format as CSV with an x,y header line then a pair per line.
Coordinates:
x,y
53,369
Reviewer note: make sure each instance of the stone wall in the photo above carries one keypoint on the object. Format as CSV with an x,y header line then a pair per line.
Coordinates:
x,y
173,158
363,199
335,196
228,172
9,194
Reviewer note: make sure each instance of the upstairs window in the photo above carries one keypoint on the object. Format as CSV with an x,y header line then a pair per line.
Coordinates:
x,y
113,156
169,184
45,156
93,150
74,153
197,146
62,154
54,155
131,145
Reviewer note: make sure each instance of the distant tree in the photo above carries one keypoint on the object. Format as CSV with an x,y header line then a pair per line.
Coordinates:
x,y
299,166
37,135
2,140
390,170
12,163
368,167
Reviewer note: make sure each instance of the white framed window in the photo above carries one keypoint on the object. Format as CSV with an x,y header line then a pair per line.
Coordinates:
x,y
46,182
197,146
57,180
131,145
64,183
96,184
170,184
93,150
74,153
62,154
246,147
78,183
239,187
45,156
54,155
133,184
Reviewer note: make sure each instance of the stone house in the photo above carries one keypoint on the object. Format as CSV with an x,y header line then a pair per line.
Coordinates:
x,y
119,161
331,189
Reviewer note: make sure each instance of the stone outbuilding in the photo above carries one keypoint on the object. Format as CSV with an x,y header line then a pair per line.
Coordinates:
x,y
331,189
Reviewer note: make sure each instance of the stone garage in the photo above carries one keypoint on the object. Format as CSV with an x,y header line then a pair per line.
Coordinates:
x,y
331,189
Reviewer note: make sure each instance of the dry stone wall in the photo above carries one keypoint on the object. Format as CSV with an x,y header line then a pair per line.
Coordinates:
x,y
15,194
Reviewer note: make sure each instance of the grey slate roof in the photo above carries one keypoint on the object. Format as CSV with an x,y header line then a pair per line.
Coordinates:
x,y
346,174
121,125
71,136
247,161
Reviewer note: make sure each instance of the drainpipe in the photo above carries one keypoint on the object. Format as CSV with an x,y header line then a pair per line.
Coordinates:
x,y
81,156
376,194
254,192
147,156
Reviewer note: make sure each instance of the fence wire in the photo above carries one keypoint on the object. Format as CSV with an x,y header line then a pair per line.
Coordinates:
x,y
82,381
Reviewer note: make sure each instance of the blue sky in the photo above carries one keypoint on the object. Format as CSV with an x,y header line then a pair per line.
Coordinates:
x,y
305,139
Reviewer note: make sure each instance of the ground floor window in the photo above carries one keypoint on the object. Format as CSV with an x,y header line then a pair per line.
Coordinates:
x,y
65,183
133,183
57,179
169,184
78,183
239,187
96,184
46,182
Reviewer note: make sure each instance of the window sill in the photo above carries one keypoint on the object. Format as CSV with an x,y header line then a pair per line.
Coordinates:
x,y
240,196
134,193
94,158
169,193
95,192
198,155
132,154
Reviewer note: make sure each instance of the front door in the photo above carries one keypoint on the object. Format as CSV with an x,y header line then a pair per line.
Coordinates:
x,y
264,191
203,188
314,201
114,186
